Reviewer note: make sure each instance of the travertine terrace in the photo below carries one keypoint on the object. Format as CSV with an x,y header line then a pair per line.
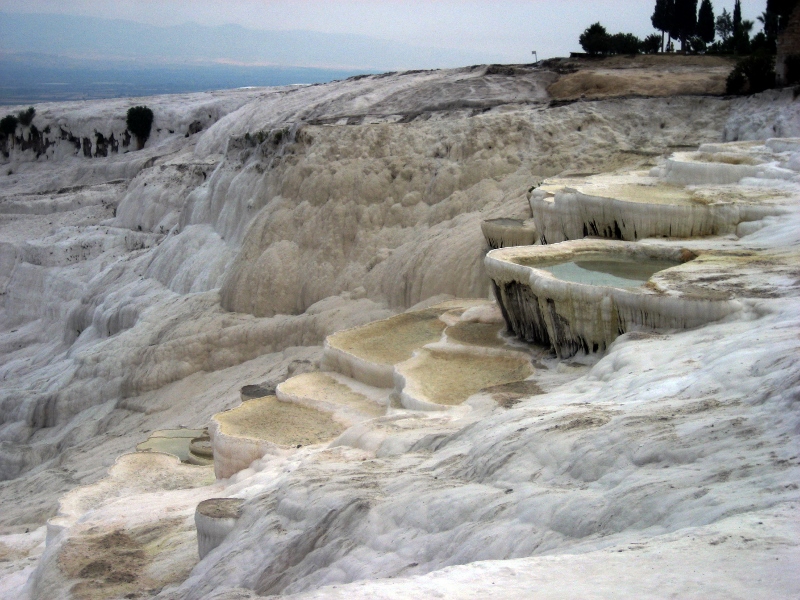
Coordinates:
x,y
301,271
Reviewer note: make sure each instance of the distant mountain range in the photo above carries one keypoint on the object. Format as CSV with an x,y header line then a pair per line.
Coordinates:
x,y
46,57
104,39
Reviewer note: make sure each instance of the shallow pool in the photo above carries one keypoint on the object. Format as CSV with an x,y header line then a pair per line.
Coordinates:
x,y
171,441
614,273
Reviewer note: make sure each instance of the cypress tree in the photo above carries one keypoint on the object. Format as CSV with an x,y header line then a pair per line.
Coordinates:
x,y
660,19
737,19
673,31
685,21
770,22
741,30
705,22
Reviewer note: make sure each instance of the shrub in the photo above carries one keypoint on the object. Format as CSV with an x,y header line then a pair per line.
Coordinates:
x,y
752,75
595,40
760,43
139,122
625,43
8,125
26,116
696,44
736,82
651,44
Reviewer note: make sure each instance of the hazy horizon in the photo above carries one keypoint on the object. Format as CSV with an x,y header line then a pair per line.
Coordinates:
x,y
409,34
95,49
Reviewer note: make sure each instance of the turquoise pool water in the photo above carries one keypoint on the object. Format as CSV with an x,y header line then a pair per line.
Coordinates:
x,y
615,273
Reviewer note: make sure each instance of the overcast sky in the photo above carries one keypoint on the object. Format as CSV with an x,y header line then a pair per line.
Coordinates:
x,y
504,29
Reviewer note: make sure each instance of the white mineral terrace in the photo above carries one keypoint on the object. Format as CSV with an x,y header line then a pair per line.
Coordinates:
x,y
305,276
548,298
501,233
435,358
369,353
177,442
265,426
693,194
215,518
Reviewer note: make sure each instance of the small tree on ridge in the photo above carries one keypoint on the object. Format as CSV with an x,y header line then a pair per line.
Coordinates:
x,y
8,125
595,40
26,116
139,123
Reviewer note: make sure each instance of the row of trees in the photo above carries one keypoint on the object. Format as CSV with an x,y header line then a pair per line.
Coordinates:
x,y
698,29
681,20
596,40
756,72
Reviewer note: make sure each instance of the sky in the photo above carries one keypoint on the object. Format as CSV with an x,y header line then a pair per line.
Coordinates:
x,y
499,31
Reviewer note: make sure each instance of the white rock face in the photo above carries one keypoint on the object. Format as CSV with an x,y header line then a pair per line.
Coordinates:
x,y
215,518
574,315
142,290
502,233
692,194
94,129
639,569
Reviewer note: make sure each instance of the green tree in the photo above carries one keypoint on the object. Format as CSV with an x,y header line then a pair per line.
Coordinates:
x,y
652,44
724,26
705,22
26,116
8,125
595,40
674,31
760,43
661,18
685,21
139,122
769,23
625,43
737,19
742,41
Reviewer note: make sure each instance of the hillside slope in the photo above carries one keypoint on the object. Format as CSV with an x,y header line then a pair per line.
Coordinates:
x,y
142,289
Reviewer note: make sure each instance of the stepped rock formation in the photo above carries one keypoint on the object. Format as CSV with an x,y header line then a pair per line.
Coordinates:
x,y
263,239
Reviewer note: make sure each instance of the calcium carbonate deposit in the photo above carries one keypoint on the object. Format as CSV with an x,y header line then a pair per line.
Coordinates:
x,y
293,284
